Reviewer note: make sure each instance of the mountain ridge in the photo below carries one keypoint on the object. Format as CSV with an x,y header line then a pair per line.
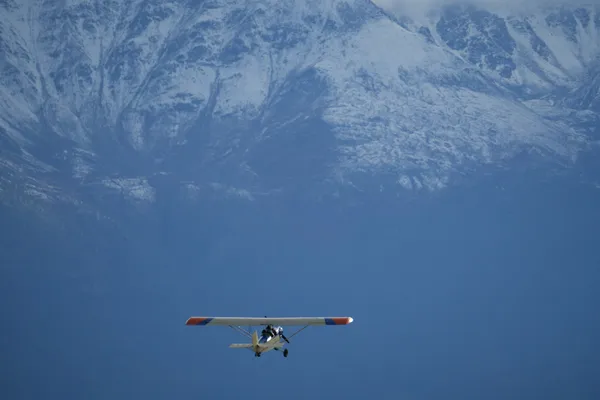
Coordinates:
x,y
218,94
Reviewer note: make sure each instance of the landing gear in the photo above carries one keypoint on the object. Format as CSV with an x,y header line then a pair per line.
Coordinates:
x,y
257,354
285,353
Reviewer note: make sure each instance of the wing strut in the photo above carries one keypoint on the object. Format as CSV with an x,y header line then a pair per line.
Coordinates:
x,y
248,334
298,331
241,330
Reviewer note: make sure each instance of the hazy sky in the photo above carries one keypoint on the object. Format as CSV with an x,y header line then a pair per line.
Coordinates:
x,y
479,294
418,6
405,3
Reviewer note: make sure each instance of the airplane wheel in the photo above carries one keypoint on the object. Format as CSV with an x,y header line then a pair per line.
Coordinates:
x,y
285,353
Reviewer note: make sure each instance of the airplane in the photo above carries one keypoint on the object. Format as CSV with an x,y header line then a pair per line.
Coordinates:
x,y
272,334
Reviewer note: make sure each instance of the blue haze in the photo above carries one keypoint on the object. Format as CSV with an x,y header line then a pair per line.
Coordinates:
x,y
478,292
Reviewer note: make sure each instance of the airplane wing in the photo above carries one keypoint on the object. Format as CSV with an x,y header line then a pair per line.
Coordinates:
x,y
289,321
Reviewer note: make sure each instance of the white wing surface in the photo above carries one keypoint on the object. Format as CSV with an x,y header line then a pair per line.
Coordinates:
x,y
253,321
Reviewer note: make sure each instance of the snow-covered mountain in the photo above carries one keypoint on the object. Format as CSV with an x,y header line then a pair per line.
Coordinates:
x,y
250,97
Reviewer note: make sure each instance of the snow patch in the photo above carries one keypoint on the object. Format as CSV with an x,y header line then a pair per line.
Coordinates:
x,y
137,189
232,191
243,87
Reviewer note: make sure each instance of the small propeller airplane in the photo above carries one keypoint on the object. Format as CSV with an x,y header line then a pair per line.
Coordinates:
x,y
272,334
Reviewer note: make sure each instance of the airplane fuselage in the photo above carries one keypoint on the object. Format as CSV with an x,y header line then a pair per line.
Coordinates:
x,y
267,343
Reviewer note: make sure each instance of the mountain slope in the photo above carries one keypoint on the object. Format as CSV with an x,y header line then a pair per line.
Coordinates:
x,y
261,95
